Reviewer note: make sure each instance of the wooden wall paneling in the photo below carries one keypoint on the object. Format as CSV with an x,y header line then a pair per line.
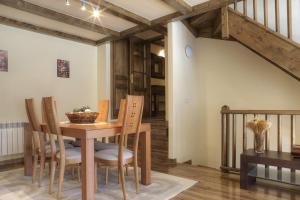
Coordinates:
x,y
120,73
225,27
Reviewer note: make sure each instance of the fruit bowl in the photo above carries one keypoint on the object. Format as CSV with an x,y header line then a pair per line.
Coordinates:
x,y
82,117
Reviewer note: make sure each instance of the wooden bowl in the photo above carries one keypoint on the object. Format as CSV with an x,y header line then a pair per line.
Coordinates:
x,y
82,117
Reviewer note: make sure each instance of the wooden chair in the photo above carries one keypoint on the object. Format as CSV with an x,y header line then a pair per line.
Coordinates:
x,y
120,157
103,109
38,142
63,156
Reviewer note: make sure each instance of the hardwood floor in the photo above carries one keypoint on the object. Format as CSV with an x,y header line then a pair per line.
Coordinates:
x,y
214,185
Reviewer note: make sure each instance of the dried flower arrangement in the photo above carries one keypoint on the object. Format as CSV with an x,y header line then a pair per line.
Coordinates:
x,y
259,128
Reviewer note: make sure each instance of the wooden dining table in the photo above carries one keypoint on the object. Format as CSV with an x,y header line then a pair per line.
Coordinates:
x,y
87,133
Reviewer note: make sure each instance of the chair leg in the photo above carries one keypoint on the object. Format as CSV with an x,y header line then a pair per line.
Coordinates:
x,y
122,178
60,177
52,174
126,170
106,175
136,175
35,163
96,177
42,167
79,173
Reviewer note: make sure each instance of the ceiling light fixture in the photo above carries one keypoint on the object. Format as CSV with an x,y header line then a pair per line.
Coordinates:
x,y
96,12
83,7
67,3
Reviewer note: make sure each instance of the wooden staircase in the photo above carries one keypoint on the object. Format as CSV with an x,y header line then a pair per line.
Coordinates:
x,y
160,144
271,44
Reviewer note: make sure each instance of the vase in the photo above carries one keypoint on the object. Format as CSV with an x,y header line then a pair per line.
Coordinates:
x,y
259,143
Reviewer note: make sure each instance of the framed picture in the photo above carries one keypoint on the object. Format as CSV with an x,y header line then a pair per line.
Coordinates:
x,y
3,61
63,68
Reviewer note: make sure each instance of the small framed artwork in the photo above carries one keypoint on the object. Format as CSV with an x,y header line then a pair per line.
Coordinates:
x,y
3,61
63,68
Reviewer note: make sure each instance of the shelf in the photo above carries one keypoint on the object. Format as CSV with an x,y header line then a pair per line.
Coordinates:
x,y
283,176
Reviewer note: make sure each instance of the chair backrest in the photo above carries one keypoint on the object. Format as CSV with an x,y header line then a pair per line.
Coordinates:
x,y
50,116
103,109
132,122
34,124
122,109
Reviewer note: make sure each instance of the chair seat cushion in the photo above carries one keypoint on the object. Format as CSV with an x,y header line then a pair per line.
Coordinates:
x,y
99,146
68,145
112,154
73,154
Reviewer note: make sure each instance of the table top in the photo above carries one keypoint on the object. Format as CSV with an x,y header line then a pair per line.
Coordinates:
x,y
93,126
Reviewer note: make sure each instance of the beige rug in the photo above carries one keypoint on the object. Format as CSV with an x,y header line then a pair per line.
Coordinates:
x,y
14,186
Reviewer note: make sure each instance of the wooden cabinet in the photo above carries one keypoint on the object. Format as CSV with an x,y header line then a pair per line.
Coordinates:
x,y
157,67
131,72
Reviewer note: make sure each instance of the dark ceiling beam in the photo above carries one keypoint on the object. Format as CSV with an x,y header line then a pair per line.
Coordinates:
x,y
120,12
202,18
50,14
197,10
39,29
190,28
179,5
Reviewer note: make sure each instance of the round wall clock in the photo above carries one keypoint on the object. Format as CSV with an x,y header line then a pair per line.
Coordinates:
x,y
188,51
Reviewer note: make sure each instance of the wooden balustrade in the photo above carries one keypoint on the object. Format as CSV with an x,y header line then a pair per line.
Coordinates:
x,y
231,119
265,14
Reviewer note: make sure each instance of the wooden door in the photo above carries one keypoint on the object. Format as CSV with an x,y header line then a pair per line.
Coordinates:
x,y
120,73
140,73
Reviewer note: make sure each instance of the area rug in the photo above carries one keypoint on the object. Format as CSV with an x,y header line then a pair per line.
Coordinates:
x,y
14,186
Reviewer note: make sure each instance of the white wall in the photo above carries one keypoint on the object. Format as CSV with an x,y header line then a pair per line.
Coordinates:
x,y
219,73
32,73
183,98
230,74
104,77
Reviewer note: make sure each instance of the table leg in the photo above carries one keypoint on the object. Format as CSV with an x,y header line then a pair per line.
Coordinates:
x,y
146,158
87,168
27,150
245,180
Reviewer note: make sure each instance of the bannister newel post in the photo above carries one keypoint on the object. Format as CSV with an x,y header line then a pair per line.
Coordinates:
x,y
225,136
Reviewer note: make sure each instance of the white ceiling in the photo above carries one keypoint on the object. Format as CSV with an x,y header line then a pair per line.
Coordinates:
x,y
47,23
106,20
149,9
195,2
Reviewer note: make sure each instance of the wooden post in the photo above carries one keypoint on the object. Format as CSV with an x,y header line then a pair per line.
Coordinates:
x,y
289,18
277,16
244,133
225,136
254,10
292,135
27,150
233,141
225,27
266,13
245,7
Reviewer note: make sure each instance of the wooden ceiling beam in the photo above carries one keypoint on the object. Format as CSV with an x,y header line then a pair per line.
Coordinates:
x,y
190,28
120,12
51,14
202,18
179,5
39,29
197,10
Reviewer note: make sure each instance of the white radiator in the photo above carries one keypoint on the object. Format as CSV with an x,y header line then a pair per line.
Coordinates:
x,y
11,140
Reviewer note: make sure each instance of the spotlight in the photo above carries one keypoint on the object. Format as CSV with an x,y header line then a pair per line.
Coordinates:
x,y
83,8
96,12
67,3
